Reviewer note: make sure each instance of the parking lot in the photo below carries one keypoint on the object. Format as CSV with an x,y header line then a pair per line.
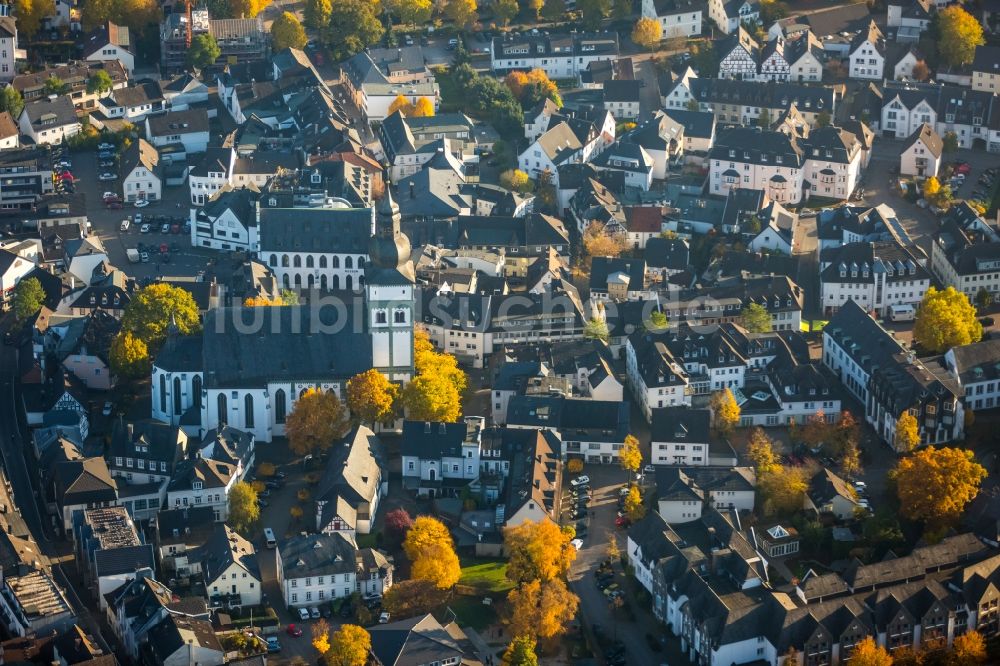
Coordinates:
x,y
184,261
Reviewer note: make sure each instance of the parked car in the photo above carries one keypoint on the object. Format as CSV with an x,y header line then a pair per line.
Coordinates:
x,y
105,155
141,203
144,229
106,164
107,409
303,613
577,543
273,645
124,225
292,629
165,228
314,613
961,168
580,480
107,175
105,146
144,257
383,618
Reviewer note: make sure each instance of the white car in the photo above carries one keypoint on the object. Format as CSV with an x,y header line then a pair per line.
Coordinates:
x,y
109,195
141,203
314,613
105,146
107,175
580,481
577,543
107,409
303,614
383,618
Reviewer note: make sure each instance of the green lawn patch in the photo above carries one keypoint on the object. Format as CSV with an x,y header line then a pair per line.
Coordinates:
x,y
470,611
367,540
813,325
485,575
451,98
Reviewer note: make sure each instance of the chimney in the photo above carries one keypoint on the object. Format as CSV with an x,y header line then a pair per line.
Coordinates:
x,y
129,429
412,188
427,427
443,428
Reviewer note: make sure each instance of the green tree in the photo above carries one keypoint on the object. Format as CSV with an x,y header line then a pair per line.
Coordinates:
x,y
29,296
204,51
621,9
984,299
357,26
755,318
99,82
592,12
54,86
129,356
521,652
692,105
764,118
949,142
286,31
506,10
317,14
657,321
11,102
554,10
515,180
960,34
946,319
823,119
244,509
153,308
413,12
596,329
29,15
461,12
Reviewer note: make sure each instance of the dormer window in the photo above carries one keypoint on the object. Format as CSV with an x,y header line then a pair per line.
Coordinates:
x,y
197,485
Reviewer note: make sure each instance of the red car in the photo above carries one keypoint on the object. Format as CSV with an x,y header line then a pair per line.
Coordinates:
x,y
293,631
66,175
175,229
163,248
622,521
962,168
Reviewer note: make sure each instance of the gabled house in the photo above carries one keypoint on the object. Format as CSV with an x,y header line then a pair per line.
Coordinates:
x,y
731,15
355,480
421,639
110,42
178,534
184,640
922,153
318,569
986,69
867,54
739,56
80,484
829,493
49,121
680,436
140,605
140,173
188,128
910,18
199,481
439,459
677,18
228,565
133,103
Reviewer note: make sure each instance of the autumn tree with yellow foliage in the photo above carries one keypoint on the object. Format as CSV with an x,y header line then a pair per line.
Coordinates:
x,y
321,636
530,88
129,356
537,550
541,609
350,646
461,12
262,302
371,397
634,507
869,653
424,108
435,393
760,451
946,319
725,411
597,242
647,33
29,14
935,484
961,33
969,649
317,420
907,435
783,489
629,456
431,552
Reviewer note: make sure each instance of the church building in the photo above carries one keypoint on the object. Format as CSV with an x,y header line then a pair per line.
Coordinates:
x,y
249,365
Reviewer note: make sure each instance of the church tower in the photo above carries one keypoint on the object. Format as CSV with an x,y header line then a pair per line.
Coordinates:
x,y
389,294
